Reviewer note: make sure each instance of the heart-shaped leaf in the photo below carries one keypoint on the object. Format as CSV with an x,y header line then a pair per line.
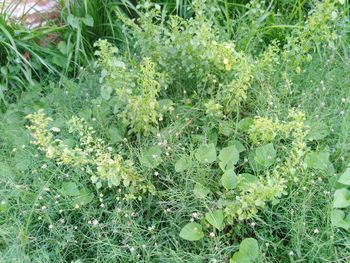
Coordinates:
x,y
73,21
265,155
192,232
206,153
70,189
248,251
215,218
200,191
229,179
317,160
183,164
345,177
88,20
317,131
151,158
228,156
341,198
339,219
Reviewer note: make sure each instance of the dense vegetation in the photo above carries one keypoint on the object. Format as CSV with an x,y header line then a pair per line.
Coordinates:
x,y
200,131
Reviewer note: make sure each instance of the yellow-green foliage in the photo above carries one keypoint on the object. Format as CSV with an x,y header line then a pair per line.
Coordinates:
x,y
134,90
90,154
263,130
270,185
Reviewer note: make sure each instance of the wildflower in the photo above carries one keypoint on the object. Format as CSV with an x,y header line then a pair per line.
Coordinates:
x,y
50,226
212,234
316,231
94,222
291,253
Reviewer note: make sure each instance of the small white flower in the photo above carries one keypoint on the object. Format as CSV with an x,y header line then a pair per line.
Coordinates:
x,y
95,222
291,253
316,231
212,234
50,226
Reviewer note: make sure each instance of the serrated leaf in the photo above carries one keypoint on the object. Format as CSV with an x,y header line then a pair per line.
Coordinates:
x,y
345,177
192,232
339,219
265,155
341,198
151,158
200,191
229,157
215,218
206,153
229,180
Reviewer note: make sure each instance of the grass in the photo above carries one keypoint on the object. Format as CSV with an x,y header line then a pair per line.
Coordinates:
x,y
41,223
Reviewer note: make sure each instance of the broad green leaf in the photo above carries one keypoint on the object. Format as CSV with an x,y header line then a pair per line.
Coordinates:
x,y
206,153
248,251
240,257
151,158
183,164
106,92
228,156
70,189
246,180
73,21
341,198
229,179
114,135
317,131
250,247
265,155
239,146
317,160
88,20
62,46
339,219
215,218
244,124
192,232
345,177
200,191
84,197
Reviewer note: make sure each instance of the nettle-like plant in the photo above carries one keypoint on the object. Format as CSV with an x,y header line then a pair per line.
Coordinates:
x,y
90,154
264,172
